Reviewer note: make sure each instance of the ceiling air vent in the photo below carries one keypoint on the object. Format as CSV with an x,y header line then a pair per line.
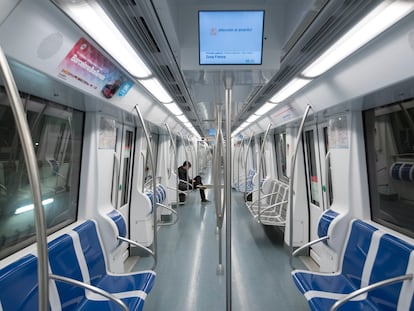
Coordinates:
x,y
175,88
181,99
186,108
326,28
146,35
167,73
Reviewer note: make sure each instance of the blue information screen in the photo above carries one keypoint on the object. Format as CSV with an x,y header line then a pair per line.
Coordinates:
x,y
231,37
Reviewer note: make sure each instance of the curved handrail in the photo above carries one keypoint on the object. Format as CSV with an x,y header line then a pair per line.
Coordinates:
x,y
90,287
175,160
246,157
136,244
260,166
33,175
172,211
398,279
327,181
309,244
154,182
291,179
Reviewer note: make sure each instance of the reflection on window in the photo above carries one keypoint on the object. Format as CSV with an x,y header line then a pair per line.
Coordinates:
x,y
390,158
312,170
57,135
280,140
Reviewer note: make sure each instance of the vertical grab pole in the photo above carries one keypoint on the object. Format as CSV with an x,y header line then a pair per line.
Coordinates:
x,y
154,184
291,179
228,83
175,161
260,170
186,157
245,162
33,175
217,190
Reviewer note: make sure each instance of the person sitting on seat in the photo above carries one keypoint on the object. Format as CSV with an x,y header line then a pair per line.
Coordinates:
x,y
187,183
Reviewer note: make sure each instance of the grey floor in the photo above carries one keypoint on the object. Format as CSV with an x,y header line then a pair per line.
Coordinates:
x,y
188,256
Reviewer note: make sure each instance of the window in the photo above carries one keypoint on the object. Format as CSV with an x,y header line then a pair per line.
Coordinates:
x,y
389,134
280,141
57,134
312,169
127,158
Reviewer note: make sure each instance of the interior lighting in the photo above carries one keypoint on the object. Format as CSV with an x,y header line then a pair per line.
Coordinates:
x,y
292,87
96,23
265,108
377,21
174,109
30,207
183,118
252,118
156,89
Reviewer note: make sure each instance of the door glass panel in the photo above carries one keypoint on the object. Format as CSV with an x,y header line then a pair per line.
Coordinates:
x,y
329,181
280,140
313,179
126,169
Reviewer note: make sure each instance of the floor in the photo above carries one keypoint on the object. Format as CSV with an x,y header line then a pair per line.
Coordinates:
x,y
188,257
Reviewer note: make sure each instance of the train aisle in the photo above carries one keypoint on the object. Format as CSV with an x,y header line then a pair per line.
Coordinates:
x,y
187,262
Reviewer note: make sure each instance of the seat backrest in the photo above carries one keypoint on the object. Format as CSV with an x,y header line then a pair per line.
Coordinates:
x,y
119,221
161,193
392,259
91,246
64,262
18,285
358,246
325,221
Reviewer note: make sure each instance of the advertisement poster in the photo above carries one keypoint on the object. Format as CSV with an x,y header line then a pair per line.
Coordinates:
x,y
86,68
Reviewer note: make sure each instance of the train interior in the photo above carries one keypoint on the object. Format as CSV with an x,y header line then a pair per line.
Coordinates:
x,y
193,155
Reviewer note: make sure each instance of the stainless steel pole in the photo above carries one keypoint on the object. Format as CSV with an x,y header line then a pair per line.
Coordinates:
x,y
291,180
260,170
177,199
227,193
154,185
33,175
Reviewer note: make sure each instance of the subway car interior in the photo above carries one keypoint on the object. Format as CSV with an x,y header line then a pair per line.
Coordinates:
x,y
206,155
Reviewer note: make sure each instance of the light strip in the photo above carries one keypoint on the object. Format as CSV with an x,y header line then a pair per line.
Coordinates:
x,y
292,87
174,109
377,21
183,118
95,22
30,207
156,89
265,108
252,118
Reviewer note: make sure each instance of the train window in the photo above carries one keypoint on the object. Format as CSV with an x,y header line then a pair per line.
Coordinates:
x,y
126,165
57,133
263,160
312,169
389,133
280,140
328,162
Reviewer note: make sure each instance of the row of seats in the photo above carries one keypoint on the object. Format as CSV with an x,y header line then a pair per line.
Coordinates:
x,y
370,256
272,207
77,255
245,184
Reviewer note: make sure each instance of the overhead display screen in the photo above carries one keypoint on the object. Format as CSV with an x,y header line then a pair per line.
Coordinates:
x,y
230,37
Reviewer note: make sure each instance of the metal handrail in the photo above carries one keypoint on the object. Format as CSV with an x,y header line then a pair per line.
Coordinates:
x,y
327,179
90,287
175,161
136,244
186,156
33,175
309,244
291,179
246,158
398,279
260,166
154,183
172,211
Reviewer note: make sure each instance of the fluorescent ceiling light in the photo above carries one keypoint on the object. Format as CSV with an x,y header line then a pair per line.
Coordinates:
x,y
30,207
265,108
377,21
252,118
156,89
96,23
292,87
174,109
183,118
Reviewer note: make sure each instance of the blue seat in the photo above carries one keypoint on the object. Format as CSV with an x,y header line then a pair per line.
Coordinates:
x,y
370,256
18,285
77,255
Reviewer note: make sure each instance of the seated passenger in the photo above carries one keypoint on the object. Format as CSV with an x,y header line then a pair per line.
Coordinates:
x,y
192,183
